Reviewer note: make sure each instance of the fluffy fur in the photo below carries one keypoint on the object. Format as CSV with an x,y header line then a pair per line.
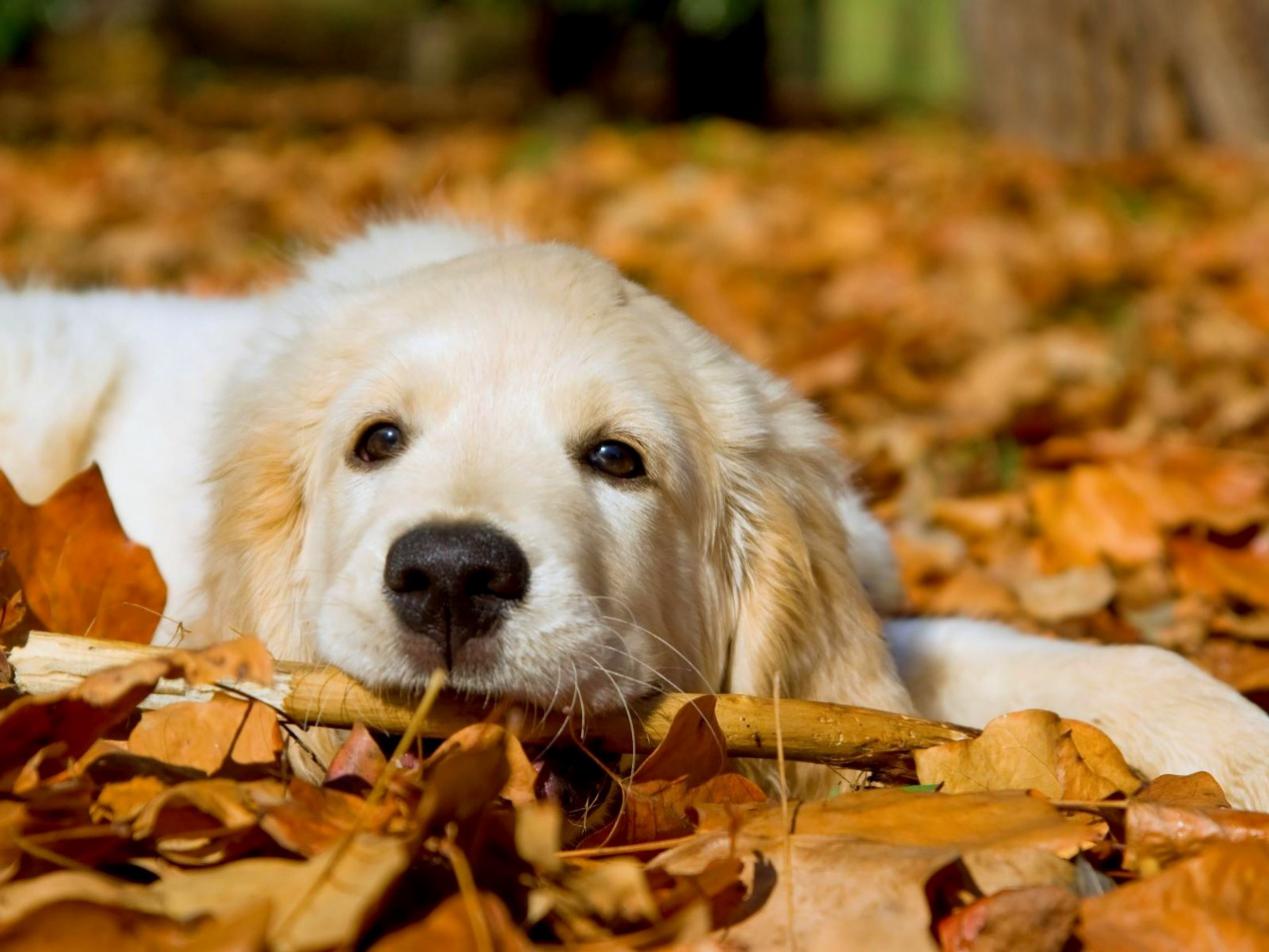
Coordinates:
x,y
224,430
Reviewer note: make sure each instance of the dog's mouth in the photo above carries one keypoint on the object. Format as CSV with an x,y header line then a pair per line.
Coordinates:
x,y
581,782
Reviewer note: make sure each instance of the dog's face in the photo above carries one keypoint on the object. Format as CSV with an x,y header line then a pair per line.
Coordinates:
x,y
521,468
503,488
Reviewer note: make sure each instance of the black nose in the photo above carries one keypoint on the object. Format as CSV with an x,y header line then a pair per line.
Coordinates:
x,y
452,581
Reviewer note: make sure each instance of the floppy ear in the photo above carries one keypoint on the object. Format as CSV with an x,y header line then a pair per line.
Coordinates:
x,y
801,609
256,531
782,528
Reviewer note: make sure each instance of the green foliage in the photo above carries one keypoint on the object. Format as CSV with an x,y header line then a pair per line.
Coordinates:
x,y
18,20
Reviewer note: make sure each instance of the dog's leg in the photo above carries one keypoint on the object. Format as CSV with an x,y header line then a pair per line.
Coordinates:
x,y
1165,714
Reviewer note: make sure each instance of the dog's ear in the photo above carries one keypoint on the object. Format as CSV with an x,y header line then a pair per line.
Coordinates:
x,y
801,608
265,434
783,528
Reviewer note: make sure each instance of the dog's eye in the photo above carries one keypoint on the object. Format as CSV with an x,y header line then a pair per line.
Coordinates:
x,y
615,458
378,442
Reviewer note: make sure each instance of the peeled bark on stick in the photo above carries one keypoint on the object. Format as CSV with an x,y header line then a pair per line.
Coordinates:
x,y
312,695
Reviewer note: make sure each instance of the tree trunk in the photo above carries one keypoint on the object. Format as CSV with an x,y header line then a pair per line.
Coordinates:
x,y
1093,78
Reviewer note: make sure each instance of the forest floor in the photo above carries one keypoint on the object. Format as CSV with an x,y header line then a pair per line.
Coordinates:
x,y
1053,382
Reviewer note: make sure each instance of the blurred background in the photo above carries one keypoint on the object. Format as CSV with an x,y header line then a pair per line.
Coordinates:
x,y
1018,250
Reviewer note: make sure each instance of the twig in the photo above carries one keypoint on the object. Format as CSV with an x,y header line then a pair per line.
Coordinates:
x,y
811,731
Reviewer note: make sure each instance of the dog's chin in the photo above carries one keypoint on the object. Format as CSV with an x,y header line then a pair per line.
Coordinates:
x,y
401,664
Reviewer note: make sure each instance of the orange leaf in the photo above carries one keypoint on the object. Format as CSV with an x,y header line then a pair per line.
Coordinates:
x,y
80,574
79,715
208,736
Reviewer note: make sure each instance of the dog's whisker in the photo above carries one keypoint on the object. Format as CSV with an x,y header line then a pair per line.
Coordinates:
x,y
629,714
705,682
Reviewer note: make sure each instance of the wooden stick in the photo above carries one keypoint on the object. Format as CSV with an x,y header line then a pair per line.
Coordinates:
x,y
310,695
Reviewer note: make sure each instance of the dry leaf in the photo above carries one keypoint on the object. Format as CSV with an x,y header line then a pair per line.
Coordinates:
x,y
1218,899
452,925
1037,918
1157,834
1197,790
1069,594
314,904
872,892
80,574
966,821
358,763
82,925
1031,750
80,715
209,735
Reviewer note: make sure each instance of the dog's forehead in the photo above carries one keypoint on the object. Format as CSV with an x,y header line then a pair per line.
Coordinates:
x,y
516,308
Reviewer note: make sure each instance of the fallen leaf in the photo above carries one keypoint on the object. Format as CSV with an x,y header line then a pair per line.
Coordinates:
x,y
1217,571
1070,594
1031,750
80,574
965,821
1196,790
1218,899
73,924
1157,834
1037,918
1093,513
358,763
872,892
452,925
80,715
209,735
310,820
313,904
468,770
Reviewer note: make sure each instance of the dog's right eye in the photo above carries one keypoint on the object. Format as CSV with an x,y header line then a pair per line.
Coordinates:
x,y
378,442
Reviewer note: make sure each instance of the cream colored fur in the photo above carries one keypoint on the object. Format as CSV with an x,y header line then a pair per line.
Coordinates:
x,y
224,430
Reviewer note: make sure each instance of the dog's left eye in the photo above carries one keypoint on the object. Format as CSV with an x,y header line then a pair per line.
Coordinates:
x,y
615,458
378,442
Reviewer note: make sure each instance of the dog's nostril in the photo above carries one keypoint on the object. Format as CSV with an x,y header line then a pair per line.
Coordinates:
x,y
410,580
453,581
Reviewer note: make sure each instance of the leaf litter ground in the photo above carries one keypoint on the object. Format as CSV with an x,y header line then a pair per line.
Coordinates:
x,y
1054,380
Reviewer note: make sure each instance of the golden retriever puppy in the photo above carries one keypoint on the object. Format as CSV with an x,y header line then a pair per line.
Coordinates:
x,y
441,449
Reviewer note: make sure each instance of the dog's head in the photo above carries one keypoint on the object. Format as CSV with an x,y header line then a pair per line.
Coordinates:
x,y
523,468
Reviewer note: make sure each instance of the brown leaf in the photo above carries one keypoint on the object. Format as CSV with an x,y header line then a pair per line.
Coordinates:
x,y
1031,750
872,892
965,821
1197,790
80,715
313,904
196,823
80,574
692,748
1069,594
1216,900
310,820
1092,513
451,925
84,925
1156,834
466,772
1216,571
1243,666
209,735
358,763
1036,918
661,809
13,817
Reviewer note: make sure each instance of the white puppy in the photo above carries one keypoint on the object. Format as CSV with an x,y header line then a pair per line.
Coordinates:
x,y
439,448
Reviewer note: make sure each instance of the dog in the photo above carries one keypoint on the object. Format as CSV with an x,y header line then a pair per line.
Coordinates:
x,y
441,447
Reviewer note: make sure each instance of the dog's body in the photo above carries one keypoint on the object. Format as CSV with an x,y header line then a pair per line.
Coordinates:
x,y
635,506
